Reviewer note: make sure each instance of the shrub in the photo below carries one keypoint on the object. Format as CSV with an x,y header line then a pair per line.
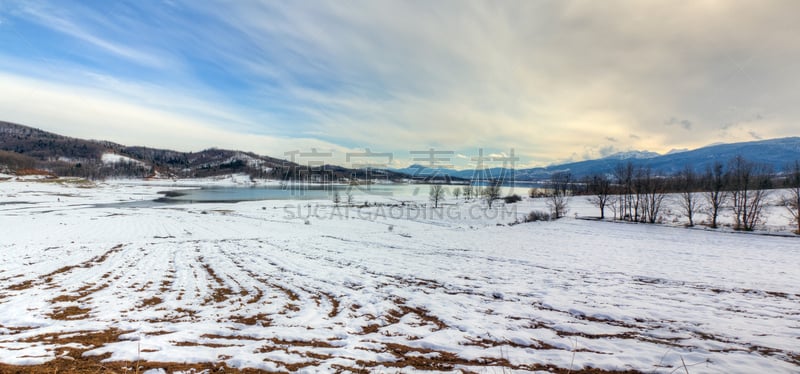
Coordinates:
x,y
512,199
537,215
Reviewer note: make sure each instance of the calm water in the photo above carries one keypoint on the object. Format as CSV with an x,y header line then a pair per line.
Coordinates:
x,y
315,192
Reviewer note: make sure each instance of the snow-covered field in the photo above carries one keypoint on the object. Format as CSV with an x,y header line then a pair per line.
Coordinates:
x,y
264,285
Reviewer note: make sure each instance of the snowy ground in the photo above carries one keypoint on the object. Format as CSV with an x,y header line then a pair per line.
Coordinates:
x,y
264,285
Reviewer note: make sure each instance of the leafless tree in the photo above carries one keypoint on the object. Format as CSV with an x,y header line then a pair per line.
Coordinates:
x,y
687,187
613,206
791,200
650,192
436,194
468,192
624,173
491,192
599,186
456,193
749,183
560,191
337,198
716,196
349,197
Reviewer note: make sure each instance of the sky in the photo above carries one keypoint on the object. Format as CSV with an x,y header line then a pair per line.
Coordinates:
x,y
552,81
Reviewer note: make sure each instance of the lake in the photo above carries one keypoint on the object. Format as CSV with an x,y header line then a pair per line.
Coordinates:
x,y
316,192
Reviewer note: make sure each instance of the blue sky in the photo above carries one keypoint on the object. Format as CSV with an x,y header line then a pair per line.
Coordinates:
x,y
555,81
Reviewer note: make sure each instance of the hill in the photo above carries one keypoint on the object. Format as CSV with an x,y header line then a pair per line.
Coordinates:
x,y
23,147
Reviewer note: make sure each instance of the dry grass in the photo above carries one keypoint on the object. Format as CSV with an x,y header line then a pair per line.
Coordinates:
x,y
69,313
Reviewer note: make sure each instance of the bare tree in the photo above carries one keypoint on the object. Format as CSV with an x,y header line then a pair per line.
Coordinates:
x,y
650,192
599,186
456,193
613,206
792,200
491,192
749,184
349,197
687,185
559,194
337,198
716,196
436,194
468,191
624,173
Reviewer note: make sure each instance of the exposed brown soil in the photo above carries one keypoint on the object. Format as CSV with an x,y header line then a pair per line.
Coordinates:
x,y
155,300
94,366
69,313
440,360
73,361
252,320
334,303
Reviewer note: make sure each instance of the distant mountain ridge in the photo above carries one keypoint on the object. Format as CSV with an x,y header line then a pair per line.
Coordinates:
x,y
24,147
775,153
631,154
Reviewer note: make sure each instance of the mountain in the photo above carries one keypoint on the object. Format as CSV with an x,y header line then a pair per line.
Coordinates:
x,y
423,172
775,153
632,154
23,147
676,150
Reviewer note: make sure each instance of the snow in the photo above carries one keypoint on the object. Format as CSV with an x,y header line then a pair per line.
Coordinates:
x,y
111,158
632,155
252,285
226,180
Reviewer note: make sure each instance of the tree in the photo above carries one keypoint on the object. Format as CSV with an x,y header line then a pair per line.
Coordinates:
x,y
456,193
337,198
624,173
468,192
436,194
491,192
599,186
686,185
749,184
650,192
349,197
792,200
715,193
559,193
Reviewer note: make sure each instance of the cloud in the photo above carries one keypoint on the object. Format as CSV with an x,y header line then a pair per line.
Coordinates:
x,y
550,80
607,150
97,115
60,22
685,123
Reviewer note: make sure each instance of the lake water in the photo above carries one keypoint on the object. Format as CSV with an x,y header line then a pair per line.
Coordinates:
x,y
316,192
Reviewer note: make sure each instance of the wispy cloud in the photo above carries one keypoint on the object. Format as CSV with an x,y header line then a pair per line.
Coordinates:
x,y
97,115
553,80
61,22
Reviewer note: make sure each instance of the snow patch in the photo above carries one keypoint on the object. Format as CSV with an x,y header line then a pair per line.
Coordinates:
x,y
112,158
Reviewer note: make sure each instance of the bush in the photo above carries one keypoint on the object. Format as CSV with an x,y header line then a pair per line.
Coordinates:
x,y
537,215
512,199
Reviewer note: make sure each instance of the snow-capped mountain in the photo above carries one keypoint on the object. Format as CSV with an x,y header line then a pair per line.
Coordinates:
x,y
632,154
